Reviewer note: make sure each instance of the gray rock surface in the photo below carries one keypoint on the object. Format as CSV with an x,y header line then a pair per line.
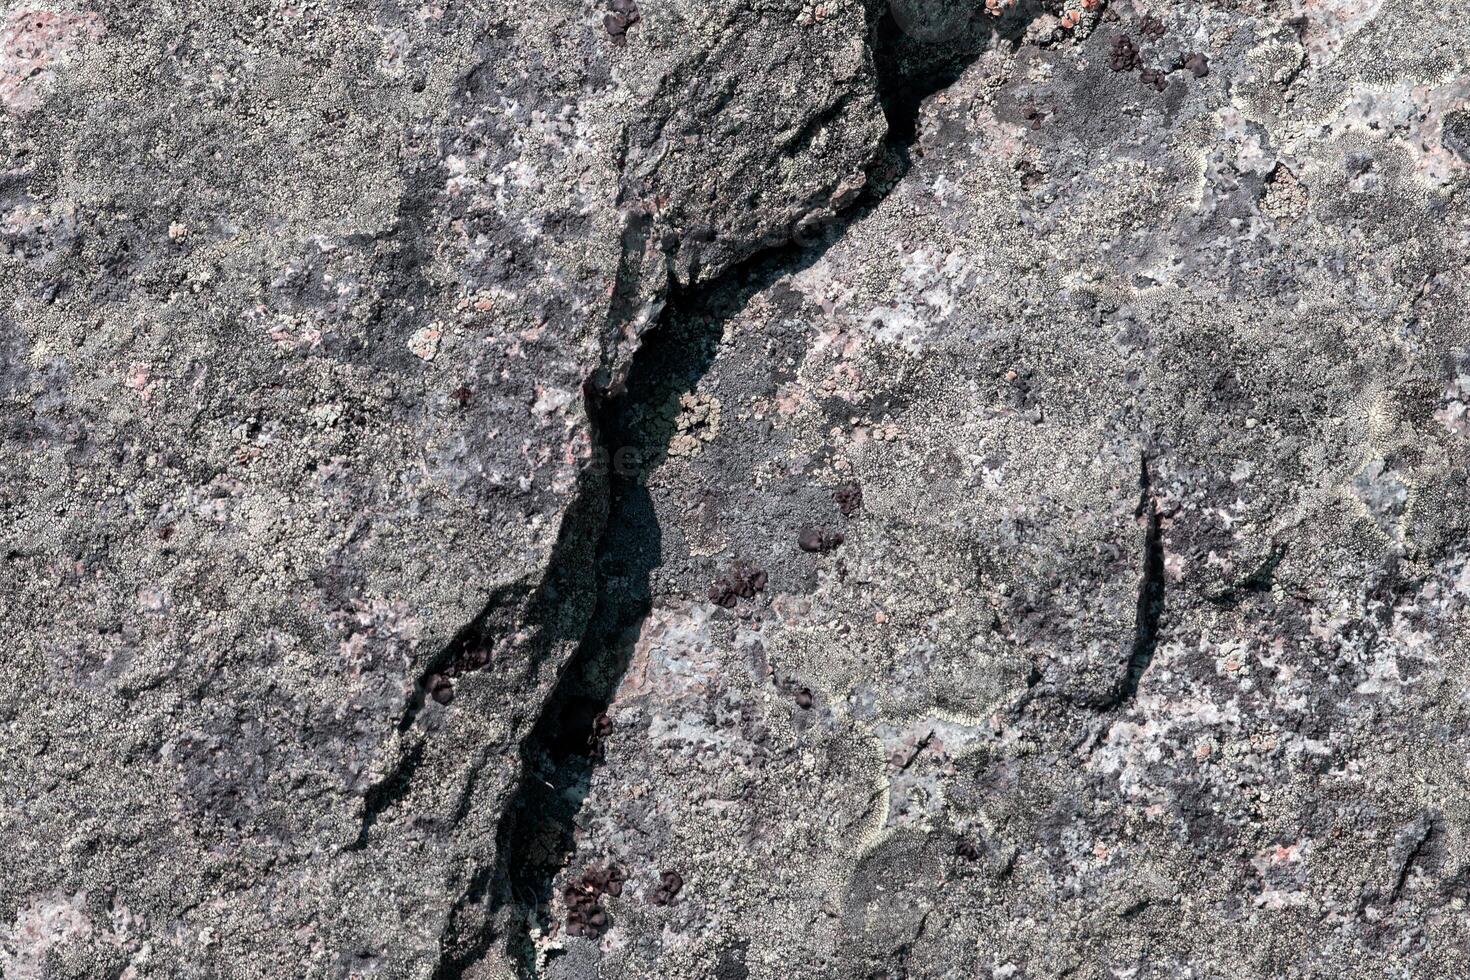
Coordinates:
x,y
549,490
299,305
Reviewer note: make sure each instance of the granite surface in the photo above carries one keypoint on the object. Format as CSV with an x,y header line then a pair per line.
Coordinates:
x,y
734,489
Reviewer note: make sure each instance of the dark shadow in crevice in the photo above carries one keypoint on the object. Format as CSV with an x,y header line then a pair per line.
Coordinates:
x,y
1150,594
564,748
1258,582
921,47
536,840
555,616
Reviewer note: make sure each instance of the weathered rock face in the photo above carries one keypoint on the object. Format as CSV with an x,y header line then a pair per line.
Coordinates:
x,y
1144,653
297,311
431,549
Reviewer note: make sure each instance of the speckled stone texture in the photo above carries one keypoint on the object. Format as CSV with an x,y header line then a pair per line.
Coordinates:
x,y
734,489
1146,652
300,306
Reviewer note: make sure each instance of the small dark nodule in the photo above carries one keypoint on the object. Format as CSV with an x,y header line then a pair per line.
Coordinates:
x,y
602,727
810,539
1153,78
670,883
441,688
805,699
583,898
1151,27
849,499
741,580
1124,55
623,16
967,850
1196,63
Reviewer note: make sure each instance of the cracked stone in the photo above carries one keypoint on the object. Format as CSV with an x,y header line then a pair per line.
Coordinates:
x,y
423,425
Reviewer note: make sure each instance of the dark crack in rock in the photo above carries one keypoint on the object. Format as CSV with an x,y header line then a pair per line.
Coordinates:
x,y
307,313
384,388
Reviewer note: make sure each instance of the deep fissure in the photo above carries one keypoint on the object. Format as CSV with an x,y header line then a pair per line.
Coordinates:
x,y
1425,832
1150,591
1258,582
536,837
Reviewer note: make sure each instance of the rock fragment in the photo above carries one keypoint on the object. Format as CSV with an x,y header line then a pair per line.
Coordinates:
x,y
741,580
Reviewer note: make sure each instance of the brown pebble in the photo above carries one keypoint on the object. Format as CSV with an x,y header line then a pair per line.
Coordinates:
x,y
624,15
585,914
805,699
741,580
670,883
1197,64
810,539
1124,54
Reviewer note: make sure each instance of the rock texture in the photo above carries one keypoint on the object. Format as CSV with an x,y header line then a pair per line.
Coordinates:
x,y
734,489
301,315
